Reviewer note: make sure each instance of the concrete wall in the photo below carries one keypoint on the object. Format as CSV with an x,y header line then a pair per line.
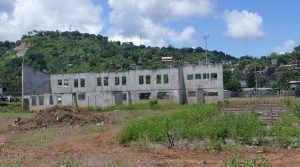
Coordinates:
x,y
40,103
103,95
132,81
34,81
209,84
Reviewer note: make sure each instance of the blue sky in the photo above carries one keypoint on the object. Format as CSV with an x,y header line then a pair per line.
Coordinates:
x,y
236,27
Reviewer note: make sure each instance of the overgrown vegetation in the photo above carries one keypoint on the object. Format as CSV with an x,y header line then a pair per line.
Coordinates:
x,y
140,106
286,130
294,105
237,161
72,52
195,122
204,122
10,107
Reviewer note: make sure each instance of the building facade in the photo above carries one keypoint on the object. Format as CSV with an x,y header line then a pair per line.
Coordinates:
x,y
188,84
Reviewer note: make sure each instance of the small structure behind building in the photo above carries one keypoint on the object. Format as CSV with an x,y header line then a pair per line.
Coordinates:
x,y
295,85
167,59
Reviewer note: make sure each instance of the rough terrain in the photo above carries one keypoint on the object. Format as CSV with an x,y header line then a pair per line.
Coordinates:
x,y
94,144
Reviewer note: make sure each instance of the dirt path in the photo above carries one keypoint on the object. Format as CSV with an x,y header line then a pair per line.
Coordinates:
x,y
99,150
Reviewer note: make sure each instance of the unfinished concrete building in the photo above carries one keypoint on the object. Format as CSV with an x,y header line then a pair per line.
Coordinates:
x,y
187,84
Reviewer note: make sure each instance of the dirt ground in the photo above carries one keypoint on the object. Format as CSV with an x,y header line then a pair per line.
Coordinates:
x,y
96,145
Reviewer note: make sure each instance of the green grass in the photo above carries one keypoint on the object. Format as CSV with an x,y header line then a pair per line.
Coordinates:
x,y
40,137
195,122
294,105
242,127
10,164
237,161
140,106
200,122
285,128
10,107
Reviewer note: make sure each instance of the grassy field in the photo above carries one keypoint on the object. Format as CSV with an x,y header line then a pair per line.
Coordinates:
x,y
140,106
10,107
261,100
204,122
141,125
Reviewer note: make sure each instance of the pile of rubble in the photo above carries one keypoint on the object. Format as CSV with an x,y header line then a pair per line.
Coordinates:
x,y
59,116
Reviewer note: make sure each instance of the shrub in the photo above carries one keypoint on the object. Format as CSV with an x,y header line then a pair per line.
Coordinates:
x,y
178,124
153,100
243,128
286,127
237,161
153,128
196,122
10,107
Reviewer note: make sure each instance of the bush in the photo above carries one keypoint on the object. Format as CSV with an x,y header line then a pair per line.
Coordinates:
x,y
196,122
178,124
153,100
154,129
286,127
243,128
10,107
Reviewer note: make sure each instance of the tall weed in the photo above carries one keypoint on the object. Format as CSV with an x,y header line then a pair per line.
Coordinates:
x,y
195,122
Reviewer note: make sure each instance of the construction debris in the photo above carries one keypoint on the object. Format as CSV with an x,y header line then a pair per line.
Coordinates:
x,y
59,116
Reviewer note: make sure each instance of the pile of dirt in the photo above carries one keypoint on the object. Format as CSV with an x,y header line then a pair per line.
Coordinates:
x,y
59,116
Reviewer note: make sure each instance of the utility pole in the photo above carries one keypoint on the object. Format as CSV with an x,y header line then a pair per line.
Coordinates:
x,y
205,37
255,76
256,92
22,83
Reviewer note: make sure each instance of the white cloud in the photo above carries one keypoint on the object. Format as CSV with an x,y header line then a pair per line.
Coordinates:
x,y
24,16
145,21
243,25
288,46
136,40
159,10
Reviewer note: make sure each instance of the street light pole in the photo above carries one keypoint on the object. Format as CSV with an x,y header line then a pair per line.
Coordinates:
x,y
22,83
205,37
255,76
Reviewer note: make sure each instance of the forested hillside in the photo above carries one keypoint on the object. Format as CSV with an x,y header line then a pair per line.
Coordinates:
x,y
70,52
65,52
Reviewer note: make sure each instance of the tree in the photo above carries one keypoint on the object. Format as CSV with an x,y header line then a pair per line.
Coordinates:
x,y
233,85
250,79
65,52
